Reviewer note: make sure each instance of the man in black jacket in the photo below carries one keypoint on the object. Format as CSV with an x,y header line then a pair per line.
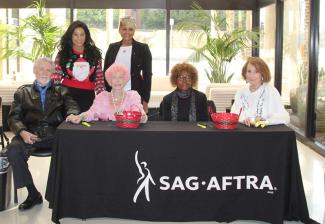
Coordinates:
x,y
35,113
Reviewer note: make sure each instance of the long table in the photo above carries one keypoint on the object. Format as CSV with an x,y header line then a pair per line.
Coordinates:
x,y
176,171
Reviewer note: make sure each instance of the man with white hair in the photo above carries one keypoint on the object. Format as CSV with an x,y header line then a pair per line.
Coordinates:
x,y
35,113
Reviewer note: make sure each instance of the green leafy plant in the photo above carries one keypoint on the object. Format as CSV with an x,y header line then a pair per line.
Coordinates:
x,y
220,46
37,29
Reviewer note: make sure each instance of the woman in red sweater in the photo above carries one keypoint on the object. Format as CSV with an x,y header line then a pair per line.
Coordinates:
x,y
78,65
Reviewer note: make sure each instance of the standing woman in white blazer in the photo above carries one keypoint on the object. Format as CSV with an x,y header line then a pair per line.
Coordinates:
x,y
259,100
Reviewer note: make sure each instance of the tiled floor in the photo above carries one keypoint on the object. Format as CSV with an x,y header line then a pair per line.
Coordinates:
x,y
312,166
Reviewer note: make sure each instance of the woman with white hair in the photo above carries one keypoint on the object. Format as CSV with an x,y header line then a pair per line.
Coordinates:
x,y
135,56
106,104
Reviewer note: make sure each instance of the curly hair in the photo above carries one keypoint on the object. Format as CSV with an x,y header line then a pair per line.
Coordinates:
x,y
65,47
260,67
183,67
117,68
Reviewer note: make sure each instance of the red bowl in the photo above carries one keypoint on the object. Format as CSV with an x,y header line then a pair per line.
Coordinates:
x,y
128,119
225,120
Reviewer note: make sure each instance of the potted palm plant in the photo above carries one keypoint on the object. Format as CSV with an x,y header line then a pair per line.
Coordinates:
x,y
37,29
216,45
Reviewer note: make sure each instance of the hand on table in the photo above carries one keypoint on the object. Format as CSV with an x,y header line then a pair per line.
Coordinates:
x,y
247,122
75,119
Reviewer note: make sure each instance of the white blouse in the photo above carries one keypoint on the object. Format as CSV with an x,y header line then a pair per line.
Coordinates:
x,y
265,102
124,57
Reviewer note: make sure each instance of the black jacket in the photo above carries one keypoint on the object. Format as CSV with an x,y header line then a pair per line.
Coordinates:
x,y
141,67
26,110
200,105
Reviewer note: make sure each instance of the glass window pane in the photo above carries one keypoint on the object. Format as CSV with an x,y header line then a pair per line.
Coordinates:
x,y
182,44
295,60
151,29
320,92
21,68
267,37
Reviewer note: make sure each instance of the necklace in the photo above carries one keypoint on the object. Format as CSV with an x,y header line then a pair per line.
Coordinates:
x,y
254,88
116,105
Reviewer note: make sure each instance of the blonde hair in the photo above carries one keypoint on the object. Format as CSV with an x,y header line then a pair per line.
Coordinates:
x,y
128,21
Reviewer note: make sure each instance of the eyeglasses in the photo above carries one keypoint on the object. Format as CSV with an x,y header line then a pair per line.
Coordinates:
x,y
184,78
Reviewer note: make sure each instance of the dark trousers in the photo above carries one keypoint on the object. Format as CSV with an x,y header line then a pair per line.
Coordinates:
x,y
18,153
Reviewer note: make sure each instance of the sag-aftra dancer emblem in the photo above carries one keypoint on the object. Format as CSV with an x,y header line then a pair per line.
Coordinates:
x,y
144,180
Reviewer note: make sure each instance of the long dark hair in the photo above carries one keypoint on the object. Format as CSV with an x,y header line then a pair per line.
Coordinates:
x,y
92,53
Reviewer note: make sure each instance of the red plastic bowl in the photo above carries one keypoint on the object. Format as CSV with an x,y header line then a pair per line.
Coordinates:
x,y
225,120
128,119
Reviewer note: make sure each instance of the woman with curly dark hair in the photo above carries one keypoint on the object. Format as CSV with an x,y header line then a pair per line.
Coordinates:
x,y
78,65
184,103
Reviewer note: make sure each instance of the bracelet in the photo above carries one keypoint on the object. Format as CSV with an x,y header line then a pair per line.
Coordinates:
x,y
82,116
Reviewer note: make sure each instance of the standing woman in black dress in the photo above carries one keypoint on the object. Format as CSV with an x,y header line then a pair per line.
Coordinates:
x,y
135,56
78,65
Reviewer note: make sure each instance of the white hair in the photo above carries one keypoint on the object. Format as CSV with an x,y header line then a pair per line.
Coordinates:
x,y
43,59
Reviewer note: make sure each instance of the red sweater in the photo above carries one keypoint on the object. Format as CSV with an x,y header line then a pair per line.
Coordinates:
x,y
67,77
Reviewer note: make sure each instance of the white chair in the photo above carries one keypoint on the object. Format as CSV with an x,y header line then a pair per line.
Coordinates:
x,y
160,87
222,95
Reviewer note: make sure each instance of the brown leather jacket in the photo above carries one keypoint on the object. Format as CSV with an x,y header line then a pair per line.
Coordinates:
x,y
26,110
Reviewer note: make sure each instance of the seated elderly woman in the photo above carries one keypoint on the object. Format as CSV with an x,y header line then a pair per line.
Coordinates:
x,y
184,103
106,104
259,101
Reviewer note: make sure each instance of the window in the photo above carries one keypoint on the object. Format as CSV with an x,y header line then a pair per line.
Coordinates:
x,y
151,29
295,60
181,45
20,68
267,38
320,91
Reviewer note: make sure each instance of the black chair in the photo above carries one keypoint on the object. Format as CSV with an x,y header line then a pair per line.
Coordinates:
x,y
211,108
153,114
228,109
37,152
2,134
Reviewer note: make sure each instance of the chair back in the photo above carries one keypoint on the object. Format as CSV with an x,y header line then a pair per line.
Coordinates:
x,y
211,108
222,94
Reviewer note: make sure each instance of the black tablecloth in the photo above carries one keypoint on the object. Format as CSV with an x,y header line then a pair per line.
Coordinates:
x,y
196,173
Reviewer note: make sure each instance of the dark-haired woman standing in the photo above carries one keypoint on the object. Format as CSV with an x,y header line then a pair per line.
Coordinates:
x,y
78,65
